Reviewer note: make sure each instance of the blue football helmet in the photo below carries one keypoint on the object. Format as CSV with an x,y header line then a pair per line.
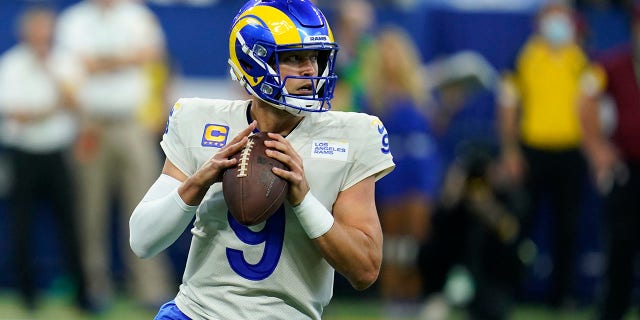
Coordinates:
x,y
263,29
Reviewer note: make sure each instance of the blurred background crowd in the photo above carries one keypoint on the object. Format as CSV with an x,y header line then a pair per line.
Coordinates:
x,y
515,127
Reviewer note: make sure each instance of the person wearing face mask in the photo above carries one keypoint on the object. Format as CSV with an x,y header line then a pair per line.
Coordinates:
x,y
541,136
557,28
614,158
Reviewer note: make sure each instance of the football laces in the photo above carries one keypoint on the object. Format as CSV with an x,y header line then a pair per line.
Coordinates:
x,y
243,165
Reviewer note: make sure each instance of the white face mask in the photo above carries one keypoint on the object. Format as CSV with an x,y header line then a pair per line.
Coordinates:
x,y
557,29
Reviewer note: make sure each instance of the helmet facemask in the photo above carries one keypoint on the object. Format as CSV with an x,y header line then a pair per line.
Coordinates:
x,y
322,84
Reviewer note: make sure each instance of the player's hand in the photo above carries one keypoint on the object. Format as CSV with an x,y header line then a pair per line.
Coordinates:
x,y
211,171
86,146
606,166
285,153
514,165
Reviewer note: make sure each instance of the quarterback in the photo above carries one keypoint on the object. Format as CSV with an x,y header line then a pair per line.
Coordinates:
x,y
283,53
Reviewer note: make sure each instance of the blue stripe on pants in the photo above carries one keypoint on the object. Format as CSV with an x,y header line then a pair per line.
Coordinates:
x,y
169,311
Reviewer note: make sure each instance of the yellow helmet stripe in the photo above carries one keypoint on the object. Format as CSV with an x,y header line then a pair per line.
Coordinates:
x,y
282,27
329,32
241,23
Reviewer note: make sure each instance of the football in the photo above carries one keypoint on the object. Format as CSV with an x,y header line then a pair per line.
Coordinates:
x,y
251,190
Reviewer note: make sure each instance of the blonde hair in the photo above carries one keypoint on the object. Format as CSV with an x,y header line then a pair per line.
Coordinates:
x,y
394,70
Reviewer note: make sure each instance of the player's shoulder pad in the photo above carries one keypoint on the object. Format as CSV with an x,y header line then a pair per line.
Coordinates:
x,y
186,110
201,105
363,122
366,130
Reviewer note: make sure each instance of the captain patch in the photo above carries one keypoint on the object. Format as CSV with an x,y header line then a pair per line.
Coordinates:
x,y
330,149
215,135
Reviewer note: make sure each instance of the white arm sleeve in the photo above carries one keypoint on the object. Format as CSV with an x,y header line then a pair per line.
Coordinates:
x,y
159,219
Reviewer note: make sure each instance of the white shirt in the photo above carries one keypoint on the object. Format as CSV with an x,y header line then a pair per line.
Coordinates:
x,y
32,86
272,270
126,27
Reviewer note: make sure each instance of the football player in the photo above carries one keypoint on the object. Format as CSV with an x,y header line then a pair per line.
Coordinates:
x,y
283,53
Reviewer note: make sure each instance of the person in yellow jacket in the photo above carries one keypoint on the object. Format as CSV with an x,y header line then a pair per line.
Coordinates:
x,y
153,112
541,134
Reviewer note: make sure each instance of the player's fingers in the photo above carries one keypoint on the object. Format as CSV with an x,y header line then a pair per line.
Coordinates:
x,y
278,155
241,136
225,163
293,163
248,130
279,138
283,145
294,177
220,166
232,148
214,165
211,171
298,186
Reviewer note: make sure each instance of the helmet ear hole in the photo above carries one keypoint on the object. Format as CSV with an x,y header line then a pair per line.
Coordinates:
x,y
245,66
323,60
272,61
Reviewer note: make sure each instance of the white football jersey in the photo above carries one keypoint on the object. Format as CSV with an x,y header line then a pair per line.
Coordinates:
x,y
272,270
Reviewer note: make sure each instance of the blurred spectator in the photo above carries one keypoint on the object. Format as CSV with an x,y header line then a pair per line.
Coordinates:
x,y
353,32
607,24
38,129
541,135
114,40
396,94
475,225
455,80
153,111
614,157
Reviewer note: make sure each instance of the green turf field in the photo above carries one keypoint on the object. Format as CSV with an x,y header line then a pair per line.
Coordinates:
x,y
57,307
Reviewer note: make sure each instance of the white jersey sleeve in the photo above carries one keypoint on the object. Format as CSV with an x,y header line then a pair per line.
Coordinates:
x,y
172,142
353,146
373,156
